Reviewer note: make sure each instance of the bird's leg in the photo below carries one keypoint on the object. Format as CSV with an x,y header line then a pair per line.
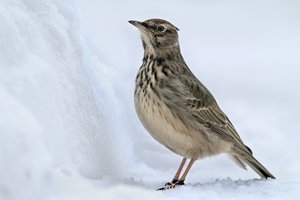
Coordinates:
x,y
182,178
172,184
176,177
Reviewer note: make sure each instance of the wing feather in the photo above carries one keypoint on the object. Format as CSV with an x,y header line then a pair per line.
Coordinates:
x,y
195,105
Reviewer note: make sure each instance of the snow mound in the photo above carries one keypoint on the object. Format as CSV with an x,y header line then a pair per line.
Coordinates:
x,y
57,106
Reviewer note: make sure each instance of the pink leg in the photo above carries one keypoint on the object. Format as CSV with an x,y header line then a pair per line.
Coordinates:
x,y
180,181
176,177
182,178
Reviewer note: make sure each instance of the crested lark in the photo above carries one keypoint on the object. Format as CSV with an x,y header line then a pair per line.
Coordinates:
x,y
177,109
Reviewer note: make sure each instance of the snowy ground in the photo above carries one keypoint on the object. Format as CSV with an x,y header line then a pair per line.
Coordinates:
x,y
68,129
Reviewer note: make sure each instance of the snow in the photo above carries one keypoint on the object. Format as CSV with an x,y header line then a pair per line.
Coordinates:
x,y
68,129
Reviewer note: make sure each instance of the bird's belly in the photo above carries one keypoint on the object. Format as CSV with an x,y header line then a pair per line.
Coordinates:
x,y
169,131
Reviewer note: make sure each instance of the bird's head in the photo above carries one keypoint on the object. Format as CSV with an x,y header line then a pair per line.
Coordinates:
x,y
157,34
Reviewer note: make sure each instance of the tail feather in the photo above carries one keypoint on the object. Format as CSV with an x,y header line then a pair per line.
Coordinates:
x,y
238,162
254,164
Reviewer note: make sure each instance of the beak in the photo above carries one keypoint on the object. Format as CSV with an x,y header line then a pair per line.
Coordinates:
x,y
134,23
137,24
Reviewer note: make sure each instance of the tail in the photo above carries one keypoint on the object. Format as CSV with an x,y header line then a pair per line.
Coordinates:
x,y
247,157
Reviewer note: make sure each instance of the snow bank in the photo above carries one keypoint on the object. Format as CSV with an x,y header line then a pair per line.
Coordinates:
x,y
24,162
57,108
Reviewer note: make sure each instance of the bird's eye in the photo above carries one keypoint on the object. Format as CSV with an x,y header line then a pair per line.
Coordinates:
x,y
161,28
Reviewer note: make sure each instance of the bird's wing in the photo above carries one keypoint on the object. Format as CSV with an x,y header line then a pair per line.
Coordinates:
x,y
194,105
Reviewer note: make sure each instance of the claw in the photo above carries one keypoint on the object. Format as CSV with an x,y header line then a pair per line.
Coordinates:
x,y
171,185
179,183
168,185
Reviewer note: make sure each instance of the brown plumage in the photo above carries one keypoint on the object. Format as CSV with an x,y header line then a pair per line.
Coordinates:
x,y
177,109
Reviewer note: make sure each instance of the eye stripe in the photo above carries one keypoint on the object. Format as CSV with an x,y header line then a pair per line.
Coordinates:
x,y
145,24
152,27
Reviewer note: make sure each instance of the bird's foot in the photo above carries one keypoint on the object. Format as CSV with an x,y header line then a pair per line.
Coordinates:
x,y
167,186
171,185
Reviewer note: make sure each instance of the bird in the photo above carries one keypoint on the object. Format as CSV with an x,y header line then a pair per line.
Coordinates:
x,y
178,110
